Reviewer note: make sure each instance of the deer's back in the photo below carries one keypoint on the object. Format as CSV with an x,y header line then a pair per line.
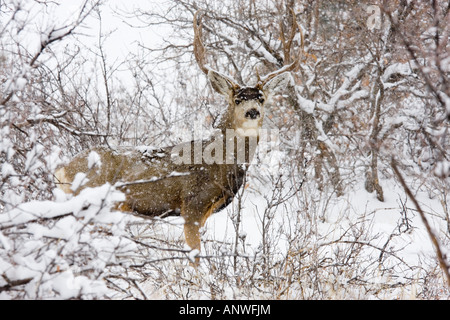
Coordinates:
x,y
152,182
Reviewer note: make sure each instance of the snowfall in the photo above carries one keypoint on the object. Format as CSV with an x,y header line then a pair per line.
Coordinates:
x,y
86,245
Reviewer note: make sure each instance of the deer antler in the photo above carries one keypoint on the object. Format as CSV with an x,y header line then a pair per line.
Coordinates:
x,y
287,44
199,49
200,52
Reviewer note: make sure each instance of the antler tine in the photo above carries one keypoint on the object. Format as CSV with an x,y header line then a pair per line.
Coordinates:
x,y
199,49
287,45
288,65
200,52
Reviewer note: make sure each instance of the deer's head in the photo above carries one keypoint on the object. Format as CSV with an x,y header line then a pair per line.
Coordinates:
x,y
245,103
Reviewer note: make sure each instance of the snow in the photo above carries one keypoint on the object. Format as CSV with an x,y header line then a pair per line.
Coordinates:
x,y
288,231
20,83
4,242
94,160
193,254
7,170
442,169
79,180
307,105
50,268
404,69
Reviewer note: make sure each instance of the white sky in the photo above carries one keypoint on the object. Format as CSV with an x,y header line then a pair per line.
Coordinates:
x,y
122,40
123,37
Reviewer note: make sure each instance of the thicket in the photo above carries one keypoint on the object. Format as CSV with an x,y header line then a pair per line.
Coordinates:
x,y
370,106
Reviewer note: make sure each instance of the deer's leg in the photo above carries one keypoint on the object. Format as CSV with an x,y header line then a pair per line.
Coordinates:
x,y
213,208
192,234
192,224
195,219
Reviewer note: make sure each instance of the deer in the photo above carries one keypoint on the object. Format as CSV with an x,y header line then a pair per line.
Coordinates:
x,y
157,182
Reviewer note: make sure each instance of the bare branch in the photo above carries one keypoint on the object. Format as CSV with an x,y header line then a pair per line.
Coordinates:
x,y
440,255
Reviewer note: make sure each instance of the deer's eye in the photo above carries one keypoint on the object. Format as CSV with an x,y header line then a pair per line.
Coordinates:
x,y
237,101
261,100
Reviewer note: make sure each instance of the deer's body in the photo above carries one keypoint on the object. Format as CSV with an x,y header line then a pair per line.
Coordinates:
x,y
157,183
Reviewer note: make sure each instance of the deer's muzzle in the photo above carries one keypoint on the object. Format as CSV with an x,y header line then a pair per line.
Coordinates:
x,y
252,114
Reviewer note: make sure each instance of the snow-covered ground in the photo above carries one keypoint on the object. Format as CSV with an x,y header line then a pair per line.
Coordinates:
x,y
281,238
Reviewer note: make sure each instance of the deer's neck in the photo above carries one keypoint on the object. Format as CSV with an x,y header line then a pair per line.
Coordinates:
x,y
226,122
240,143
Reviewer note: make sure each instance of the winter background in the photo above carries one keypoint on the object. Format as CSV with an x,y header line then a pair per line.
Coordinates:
x,y
323,214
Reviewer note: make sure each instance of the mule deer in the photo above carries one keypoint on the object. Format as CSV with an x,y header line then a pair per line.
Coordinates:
x,y
157,183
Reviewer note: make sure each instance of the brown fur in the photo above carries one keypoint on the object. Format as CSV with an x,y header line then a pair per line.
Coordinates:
x,y
155,186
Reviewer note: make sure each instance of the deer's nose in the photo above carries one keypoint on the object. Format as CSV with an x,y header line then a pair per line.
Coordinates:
x,y
252,114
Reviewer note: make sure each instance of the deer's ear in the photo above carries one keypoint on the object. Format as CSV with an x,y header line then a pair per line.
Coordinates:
x,y
221,83
279,82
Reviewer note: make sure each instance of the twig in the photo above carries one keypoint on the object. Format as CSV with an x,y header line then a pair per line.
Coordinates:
x,y
13,283
441,257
